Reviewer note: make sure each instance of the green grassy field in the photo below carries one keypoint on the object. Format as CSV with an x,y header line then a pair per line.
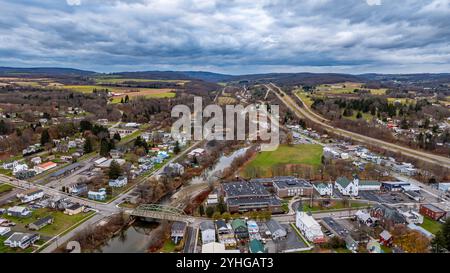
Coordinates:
x,y
5,188
304,154
61,221
338,205
431,225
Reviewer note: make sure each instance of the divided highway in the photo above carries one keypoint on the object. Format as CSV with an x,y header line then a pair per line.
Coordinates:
x,y
309,114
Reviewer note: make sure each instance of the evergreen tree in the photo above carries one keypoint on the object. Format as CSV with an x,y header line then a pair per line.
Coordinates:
x,y
201,210
88,146
176,149
117,137
127,99
104,148
114,170
359,115
45,137
209,211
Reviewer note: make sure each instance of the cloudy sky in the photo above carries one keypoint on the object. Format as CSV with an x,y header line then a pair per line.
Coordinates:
x,y
228,36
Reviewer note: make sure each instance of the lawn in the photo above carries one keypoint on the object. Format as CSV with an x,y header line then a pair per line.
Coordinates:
x,y
168,246
5,188
6,249
431,225
61,221
303,154
305,98
337,205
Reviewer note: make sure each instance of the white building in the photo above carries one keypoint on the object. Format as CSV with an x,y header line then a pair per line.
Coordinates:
x,y
45,167
4,230
324,189
412,217
309,227
208,232
36,160
22,240
19,167
30,195
121,181
347,187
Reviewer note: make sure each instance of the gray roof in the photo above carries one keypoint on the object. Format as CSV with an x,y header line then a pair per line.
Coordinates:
x,y
19,237
274,226
269,200
242,189
43,221
69,168
206,225
291,182
178,226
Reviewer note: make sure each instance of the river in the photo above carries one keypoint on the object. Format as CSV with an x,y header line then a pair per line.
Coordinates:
x,y
137,237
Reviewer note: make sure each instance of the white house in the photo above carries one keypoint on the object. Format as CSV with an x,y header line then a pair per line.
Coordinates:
x,y
22,240
19,167
208,232
4,230
20,212
99,195
252,227
309,227
121,181
347,187
36,160
30,195
365,218
324,189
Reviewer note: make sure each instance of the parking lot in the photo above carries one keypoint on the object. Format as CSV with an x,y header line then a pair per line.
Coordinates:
x,y
291,242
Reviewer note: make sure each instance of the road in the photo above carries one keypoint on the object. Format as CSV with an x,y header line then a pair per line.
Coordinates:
x,y
309,114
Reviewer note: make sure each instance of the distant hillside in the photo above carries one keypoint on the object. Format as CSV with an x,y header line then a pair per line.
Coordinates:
x,y
43,71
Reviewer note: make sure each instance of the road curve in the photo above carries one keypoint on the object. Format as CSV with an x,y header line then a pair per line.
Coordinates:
x,y
309,114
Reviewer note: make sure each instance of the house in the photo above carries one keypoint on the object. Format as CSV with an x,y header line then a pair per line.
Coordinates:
x,y
40,223
115,153
19,168
351,244
252,227
239,228
309,227
121,181
74,209
225,234
386,238
432,212
4,230
212,200
255,246
374,247
43,167
22,240
173,170
324,189
291,186
196,153
347,187
78,188
208,232
177,231
214,247
30,195
387,215
365,218
277,231
412,216
20,212
99,195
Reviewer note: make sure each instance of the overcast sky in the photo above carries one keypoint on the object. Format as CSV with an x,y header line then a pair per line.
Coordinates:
x,y
228,36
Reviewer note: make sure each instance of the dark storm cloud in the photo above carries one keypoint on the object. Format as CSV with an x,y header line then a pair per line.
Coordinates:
x,y
239,36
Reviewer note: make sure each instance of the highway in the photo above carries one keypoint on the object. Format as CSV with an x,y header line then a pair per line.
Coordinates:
x,y
305,112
